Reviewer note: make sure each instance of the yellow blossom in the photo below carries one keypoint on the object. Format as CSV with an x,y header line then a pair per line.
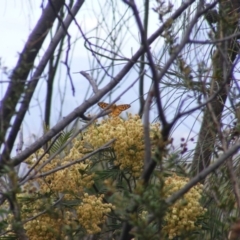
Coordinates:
x,y
181,217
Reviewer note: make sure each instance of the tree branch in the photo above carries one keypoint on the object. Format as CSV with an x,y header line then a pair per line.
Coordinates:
x,y
25,63
33,83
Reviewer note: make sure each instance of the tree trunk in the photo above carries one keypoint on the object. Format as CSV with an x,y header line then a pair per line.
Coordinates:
x,y
221,78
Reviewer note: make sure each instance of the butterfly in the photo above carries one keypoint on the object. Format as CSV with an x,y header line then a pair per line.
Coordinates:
x,y
115,109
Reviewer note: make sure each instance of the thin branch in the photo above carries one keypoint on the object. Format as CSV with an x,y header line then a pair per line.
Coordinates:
x,y
21,142
105,146
146,112
36,216
91,81
32,85
69,47
53,65
89,43
21,72
202,175
230,37
39,159
66,144
234,182
106,52
19,146
41,213
151,62
181,114
142,60
15,207
229,162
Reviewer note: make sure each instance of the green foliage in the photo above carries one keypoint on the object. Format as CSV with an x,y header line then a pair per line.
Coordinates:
x,y
62,138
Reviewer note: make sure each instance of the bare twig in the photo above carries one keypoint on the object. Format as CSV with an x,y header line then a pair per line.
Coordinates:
x,y
39,159
19,146
229,161
14,205
16,87
91,81
151,62
106,52
65,62
89,43
230,37
64,145
105,146
41,213
202,175
36,216
234,182
147,143
210,99
142,60
32,85
21,142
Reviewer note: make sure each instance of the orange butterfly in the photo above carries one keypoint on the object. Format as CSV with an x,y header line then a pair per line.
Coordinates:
x,y
115,109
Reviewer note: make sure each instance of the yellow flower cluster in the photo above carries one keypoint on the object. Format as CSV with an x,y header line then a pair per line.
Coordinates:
x,y
143,215
72,180
56,222
92,212
33,158
129,144
50,226
181,216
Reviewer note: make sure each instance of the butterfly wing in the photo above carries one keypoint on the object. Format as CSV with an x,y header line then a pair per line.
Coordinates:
x,y
118,109
115,110
103,105
123,107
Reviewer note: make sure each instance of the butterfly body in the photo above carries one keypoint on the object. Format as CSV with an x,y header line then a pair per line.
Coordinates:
x,y
115,109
